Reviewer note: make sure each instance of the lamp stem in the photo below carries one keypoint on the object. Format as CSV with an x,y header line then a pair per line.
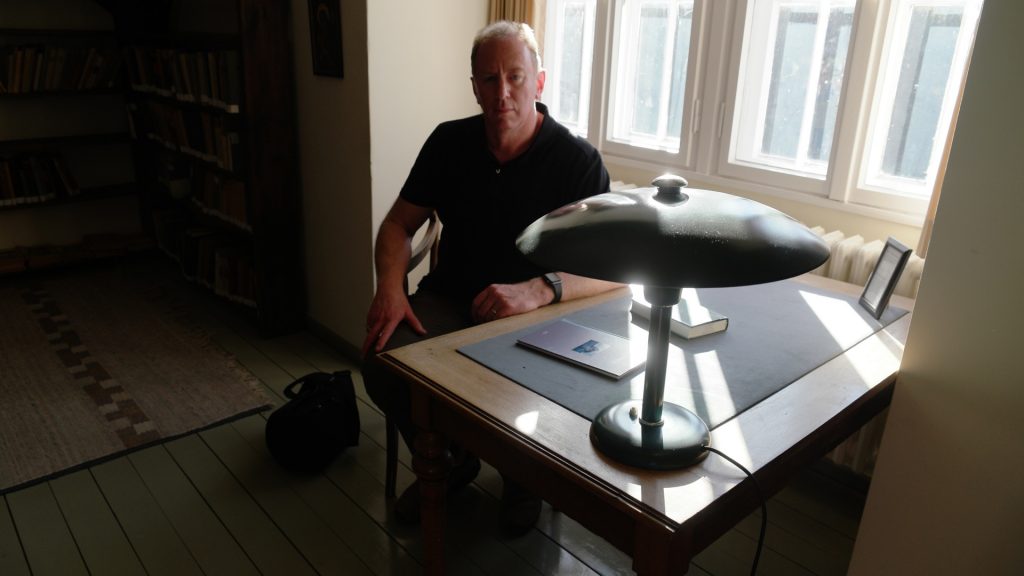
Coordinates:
x,y
662,300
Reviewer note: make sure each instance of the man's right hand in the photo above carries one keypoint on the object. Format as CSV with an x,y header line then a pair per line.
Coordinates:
x,y
387,311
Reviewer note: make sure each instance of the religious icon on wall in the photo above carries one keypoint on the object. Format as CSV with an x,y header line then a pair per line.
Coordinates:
x,y
325,37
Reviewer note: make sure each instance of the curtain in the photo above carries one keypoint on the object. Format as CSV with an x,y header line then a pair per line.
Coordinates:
x,y
514,10
528,11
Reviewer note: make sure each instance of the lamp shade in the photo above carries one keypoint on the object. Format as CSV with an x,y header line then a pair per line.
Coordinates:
x,y
668,236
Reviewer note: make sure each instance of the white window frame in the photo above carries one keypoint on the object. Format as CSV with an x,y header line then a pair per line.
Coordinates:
x,y
684,158
855,188
709,110
727,164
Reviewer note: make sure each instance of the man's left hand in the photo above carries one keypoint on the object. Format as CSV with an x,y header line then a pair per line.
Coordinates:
x,y
501,300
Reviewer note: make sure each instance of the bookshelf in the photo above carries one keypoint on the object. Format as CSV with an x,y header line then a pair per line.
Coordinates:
x,y
211,116
72,78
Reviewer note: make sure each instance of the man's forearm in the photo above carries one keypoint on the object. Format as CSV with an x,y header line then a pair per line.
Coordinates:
x,y
574,286
391,256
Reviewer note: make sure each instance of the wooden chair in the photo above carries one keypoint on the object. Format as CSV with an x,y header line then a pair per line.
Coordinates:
x,y
427,246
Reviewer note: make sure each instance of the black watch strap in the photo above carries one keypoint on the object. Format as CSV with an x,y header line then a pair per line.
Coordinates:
x,y
552,279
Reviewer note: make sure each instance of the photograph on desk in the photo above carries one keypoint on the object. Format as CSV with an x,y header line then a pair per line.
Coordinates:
x,y
602,352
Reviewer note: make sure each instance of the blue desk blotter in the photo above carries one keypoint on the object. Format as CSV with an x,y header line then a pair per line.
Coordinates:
x,y
777,333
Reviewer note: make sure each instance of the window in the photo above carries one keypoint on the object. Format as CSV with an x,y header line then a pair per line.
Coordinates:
x,y
920,78
649,77
790,81
844,100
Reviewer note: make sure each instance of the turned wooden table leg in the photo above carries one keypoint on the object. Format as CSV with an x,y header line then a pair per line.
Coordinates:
x,y
431,463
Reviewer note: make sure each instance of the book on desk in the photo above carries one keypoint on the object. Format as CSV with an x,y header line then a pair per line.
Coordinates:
x,y
603,352
689,319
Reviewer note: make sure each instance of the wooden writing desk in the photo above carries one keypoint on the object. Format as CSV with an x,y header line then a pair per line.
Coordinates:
x,y
661,519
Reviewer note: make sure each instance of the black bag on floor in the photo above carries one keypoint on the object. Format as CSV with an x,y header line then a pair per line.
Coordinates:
x,y
317,423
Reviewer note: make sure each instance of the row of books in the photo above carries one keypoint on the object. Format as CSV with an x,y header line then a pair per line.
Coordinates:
x,y
224,198
39,68
213,78
34,179
197,133
210,192
208,256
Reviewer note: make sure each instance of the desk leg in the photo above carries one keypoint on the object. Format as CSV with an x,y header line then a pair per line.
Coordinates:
x,y
431,464
656,552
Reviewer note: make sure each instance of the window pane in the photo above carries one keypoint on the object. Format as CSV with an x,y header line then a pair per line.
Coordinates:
x,y
830,83
680,60
922,84
652,48
794,61
794,42
570,66
923,65
568,55
650,63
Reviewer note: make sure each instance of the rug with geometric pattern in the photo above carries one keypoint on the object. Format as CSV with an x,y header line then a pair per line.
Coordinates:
x,y
99,360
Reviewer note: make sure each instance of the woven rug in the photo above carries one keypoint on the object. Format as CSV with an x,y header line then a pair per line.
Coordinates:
x,y
99,361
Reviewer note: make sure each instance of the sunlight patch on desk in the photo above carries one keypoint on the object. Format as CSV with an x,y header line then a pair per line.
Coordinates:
x,y
873,358
711,379
681,500
527,422
838,316
635,490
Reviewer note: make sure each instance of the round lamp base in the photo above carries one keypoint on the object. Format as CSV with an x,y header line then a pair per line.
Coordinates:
x,y
679,441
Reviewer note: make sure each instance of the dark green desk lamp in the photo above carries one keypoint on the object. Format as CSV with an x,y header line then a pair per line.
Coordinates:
x,y
667,240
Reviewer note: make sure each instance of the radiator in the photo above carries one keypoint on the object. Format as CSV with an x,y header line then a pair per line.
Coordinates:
x,y
851,260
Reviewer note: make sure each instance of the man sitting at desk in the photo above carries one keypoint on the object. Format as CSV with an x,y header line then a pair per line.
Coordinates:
x,y
487,177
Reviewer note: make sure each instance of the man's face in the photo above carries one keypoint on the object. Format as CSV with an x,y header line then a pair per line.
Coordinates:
x,y
506,84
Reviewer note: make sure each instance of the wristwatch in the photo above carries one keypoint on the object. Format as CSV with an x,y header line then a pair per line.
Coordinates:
x,y
552,279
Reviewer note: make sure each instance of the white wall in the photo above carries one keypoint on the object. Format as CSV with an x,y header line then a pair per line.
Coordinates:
x,y
415,83
406,69
947,496
334,153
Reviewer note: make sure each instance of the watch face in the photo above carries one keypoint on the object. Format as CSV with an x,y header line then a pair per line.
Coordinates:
x,y
555,282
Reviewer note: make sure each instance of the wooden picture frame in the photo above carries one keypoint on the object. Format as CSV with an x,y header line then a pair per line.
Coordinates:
x,y
325,37
883,278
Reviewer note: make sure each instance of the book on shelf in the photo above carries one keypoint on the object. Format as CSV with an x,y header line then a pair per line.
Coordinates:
x,y
8,196
602,352
689,319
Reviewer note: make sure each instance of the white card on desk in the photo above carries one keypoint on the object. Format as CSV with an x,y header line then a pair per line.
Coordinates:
x,y
602,352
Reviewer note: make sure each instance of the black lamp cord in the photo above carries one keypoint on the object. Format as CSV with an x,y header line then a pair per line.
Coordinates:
x,y
760,496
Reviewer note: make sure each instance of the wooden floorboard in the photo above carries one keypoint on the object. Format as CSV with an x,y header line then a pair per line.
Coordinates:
x,y
104,546
264,543
12,557
268,487
152,535
45,536
340,513
216,503
214,547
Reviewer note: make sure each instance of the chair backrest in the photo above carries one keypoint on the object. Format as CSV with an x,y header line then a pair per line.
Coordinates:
x,y
427,246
